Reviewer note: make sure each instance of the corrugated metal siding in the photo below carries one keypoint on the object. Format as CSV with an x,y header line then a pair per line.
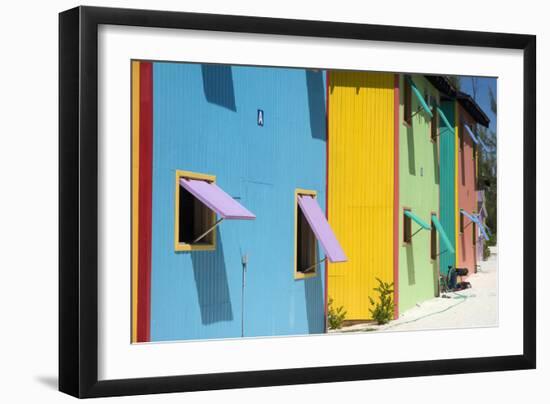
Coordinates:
x,y
361,175
135,193
447,194
419,191
205,121
467,196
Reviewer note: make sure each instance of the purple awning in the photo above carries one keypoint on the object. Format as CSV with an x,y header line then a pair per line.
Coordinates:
x,y
471,134
475,219
216,199
318,223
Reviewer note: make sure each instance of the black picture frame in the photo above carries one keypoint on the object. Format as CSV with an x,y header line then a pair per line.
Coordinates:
x,y
78,200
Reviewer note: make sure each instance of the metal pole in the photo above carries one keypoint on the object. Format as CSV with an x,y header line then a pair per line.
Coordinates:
x,y
441,253
245,264
417,111
208,231
314,265
414,234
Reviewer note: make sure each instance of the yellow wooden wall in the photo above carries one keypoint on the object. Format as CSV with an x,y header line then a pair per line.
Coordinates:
x,y
135,193
361,185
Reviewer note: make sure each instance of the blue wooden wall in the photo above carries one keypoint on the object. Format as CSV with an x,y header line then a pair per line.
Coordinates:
x,y
205,120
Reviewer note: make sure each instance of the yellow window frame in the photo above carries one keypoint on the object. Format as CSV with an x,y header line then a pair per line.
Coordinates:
x,y
185,246
298,274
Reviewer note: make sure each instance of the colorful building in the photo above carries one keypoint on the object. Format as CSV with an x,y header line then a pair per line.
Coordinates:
x,y
418,190
362,185
233,167
459,115
469,114
229,187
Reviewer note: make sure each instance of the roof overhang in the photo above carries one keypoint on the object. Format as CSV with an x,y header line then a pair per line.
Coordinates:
x,y
443,84
469,104
448,91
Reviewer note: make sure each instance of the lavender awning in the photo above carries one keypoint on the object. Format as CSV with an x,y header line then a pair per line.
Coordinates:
x,y
471,134
318,223
475,219
485,148
468,215
216,199
485,232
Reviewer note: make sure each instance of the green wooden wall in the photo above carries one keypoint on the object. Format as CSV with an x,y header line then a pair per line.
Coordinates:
x,y
419,179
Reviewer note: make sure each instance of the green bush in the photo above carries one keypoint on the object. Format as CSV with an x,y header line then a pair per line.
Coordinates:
x,y
336,316
384,308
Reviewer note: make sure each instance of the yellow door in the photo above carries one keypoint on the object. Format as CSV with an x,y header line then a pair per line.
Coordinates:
x,y
361,185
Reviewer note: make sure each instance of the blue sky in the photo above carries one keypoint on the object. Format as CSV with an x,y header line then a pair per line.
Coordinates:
x,y
482,96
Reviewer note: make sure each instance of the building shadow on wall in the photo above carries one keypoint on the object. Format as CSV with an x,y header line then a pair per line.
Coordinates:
x,y
462,244
217,82
411,276
463,166
315,307
210,275
316,101
410,151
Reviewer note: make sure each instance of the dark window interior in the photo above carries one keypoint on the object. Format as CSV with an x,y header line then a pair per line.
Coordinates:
x,y
195,218
407,228
433,243
474,233
306,251
434,126
461,223
407,99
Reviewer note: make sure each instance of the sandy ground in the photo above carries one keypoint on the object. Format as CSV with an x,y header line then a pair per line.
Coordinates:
x,y
474,307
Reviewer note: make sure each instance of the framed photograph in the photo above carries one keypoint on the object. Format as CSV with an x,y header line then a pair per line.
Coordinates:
x,y
249,201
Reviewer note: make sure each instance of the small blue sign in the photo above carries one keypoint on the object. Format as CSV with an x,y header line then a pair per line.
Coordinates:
x,y
260,117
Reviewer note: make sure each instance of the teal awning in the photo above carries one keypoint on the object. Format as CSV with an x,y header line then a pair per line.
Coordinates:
x,y
418,94
418,220
442,235
445,120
